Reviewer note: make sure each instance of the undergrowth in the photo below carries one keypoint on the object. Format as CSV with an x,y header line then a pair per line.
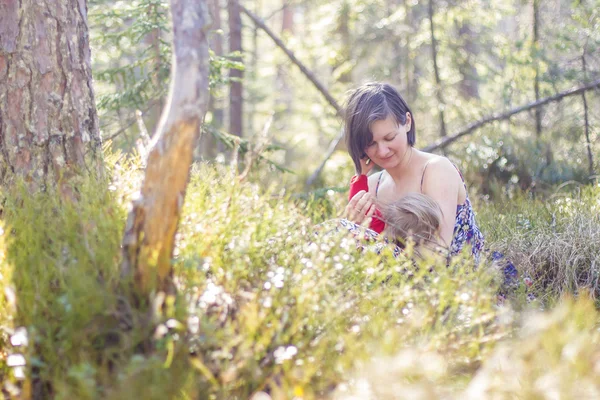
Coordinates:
x,y
265,305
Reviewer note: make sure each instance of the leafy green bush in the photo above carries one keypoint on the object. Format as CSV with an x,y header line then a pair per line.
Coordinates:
x,y
62,264
265,304
273,306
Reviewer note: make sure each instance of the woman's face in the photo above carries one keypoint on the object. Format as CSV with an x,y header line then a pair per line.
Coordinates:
x,y
390,142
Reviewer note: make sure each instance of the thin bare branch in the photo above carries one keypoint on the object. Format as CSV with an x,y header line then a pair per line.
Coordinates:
x,y
506,115
311,77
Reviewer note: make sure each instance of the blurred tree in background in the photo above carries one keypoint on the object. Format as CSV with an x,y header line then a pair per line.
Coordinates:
x,y
456,63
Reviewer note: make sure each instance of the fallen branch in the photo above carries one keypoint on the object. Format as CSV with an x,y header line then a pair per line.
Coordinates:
x,y
311,77
506,115
330,150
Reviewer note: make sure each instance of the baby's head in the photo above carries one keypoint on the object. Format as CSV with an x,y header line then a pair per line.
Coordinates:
x,y
414,216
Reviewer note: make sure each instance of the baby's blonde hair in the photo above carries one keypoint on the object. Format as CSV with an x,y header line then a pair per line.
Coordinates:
x,y
415,215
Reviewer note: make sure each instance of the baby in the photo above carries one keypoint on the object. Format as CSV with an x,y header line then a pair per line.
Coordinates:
x,y
416,216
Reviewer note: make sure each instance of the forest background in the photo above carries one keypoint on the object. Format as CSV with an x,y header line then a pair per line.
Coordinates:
x,y
508,90
456,64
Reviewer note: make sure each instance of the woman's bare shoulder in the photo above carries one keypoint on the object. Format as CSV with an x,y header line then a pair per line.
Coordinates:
x,y
441,167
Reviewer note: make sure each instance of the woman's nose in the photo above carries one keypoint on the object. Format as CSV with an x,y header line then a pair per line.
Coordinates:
x,y
382,150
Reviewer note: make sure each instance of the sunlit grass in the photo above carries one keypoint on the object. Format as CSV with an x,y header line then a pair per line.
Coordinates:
x,y
267,305
555,240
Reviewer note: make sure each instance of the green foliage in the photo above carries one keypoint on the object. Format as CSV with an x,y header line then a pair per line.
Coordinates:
x,y
134,54
246,149
268,301
219,65
488,64
62,264
132,60
274,306
553,353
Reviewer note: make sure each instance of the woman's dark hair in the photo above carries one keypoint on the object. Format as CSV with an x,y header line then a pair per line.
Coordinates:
x,y
374,101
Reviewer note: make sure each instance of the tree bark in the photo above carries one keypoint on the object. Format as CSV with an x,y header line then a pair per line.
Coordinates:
x,y
253,70
153,41
287,23
285,97
345,51
150,231
469,84
48,121
398,51
413,55
236,89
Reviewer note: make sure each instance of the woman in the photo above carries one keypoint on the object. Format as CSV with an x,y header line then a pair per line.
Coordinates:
x,y
380,129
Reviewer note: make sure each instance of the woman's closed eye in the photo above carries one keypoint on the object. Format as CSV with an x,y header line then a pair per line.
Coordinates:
x,y
388,138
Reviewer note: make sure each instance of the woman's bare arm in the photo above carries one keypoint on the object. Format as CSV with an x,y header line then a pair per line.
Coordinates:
x,y
442,183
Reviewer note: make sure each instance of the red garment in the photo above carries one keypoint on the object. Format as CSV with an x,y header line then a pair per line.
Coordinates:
x,y
361,182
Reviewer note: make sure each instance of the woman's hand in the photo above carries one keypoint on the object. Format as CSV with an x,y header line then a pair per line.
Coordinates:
x,y
360,208
366,165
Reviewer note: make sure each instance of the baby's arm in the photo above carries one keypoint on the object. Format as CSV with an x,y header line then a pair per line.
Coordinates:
x,y
358,183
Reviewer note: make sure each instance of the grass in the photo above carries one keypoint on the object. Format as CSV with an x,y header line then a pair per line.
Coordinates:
x,y
556,241
266,306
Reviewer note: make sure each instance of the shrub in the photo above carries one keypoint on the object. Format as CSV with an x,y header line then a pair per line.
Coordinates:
x,y
266,305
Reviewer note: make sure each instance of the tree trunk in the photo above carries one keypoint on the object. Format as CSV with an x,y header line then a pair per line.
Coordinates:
x,y
345,52
150,231
153,41
411,65
253,71
236,91
536,82
469,84
398,52
284,100
438,83
287,24
588,142
48,120
208,145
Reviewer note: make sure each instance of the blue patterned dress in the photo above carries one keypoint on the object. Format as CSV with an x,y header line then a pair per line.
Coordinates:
x,y
466,230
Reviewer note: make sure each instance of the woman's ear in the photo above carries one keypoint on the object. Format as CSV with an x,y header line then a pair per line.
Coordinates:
x,y
408,121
